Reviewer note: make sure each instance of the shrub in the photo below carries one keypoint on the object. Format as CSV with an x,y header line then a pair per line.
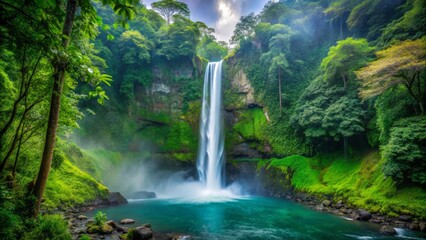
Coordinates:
x,y
100,218
10,224
51,227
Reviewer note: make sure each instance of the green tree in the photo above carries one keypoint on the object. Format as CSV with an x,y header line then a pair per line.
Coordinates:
x,y
344,58
60,65
180,39
244,28
168,8
405,153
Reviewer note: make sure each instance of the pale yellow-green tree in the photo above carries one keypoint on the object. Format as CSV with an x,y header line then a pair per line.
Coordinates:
x,y
403,63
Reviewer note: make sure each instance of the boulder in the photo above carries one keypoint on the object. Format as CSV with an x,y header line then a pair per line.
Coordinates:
x,y
122,229
81,217
102,230
326,203
388,230
364,215
143,232
112,224
422,226
414,226
355,216
405,218
142,195
127,221
115,198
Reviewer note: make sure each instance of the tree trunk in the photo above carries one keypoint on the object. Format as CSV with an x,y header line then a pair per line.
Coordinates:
x,y
279,90
345,147
55,102
18,152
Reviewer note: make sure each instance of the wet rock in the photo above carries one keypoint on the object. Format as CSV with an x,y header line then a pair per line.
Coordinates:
x,y
142,195
414,226
122,229
115,198
82,217
388,230
112,224
364,215
422,227
127,221
405,218
143,232
338,205
326,203
319,207
244,150
355,216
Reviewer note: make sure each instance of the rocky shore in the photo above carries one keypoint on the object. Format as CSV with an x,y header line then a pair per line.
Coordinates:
x,y
82,227
341,208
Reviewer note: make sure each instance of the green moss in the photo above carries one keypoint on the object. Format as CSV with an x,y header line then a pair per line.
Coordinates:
x,y
251,124
69,185
304,177
360,181
180,138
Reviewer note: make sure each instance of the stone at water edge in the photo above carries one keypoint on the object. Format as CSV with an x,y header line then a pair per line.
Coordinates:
x,y
143,232
115,198
112,224
388,230
82,217
326,203
364,215
127,221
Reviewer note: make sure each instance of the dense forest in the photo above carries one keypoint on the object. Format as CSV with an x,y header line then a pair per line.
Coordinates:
x,y
329,95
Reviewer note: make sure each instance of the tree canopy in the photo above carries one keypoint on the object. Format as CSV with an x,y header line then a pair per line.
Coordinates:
x,y
168,8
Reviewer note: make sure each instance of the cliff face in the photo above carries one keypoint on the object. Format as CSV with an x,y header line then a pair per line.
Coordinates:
x,y
245,116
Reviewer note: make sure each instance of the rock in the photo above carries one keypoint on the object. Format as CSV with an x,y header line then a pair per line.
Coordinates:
x,y
115,198
127,221
82,217
355,216
112,224
414,226
422,226
241,85
326,203
364,215
80,230
338,205
143,232
244,150
103,230
319,207
340,202
388,230
405,218
142,195
122,229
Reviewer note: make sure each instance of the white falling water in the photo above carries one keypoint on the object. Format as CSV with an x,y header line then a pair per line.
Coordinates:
x,y
210,162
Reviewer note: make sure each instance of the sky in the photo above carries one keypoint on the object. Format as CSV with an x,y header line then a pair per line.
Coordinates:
x,y
222,15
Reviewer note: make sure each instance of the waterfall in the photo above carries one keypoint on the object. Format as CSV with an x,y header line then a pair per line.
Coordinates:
x,y
210,162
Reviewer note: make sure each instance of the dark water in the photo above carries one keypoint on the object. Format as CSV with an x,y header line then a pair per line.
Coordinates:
x,y
245,218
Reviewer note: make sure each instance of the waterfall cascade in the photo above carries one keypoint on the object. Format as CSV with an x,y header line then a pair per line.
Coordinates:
x,y
210,162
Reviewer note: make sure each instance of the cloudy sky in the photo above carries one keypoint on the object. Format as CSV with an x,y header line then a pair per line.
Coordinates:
x,y
222,15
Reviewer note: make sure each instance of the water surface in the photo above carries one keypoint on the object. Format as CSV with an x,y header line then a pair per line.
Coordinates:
x,y
244,218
